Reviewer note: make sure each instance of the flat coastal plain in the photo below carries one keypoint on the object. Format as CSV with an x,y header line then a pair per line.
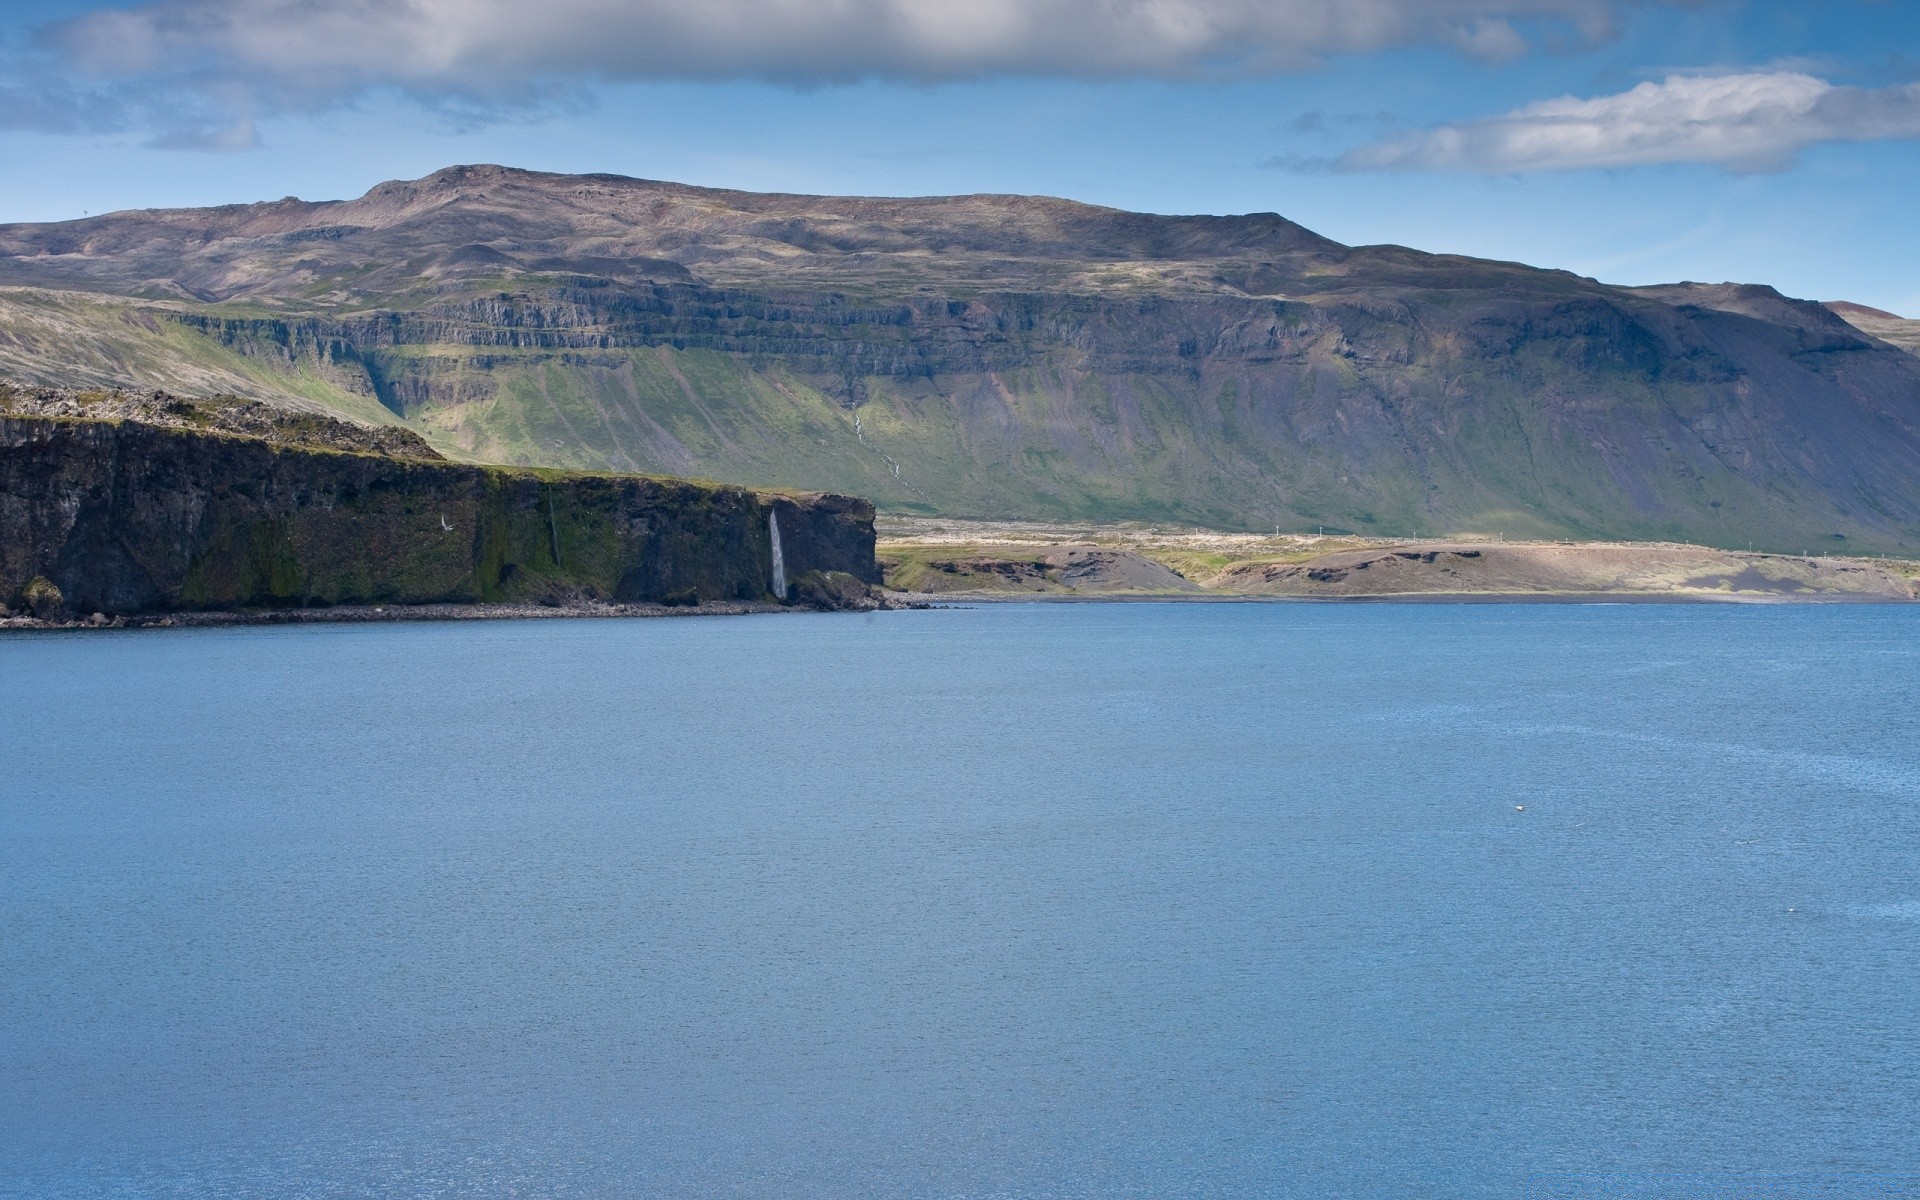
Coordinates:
x,y
926,558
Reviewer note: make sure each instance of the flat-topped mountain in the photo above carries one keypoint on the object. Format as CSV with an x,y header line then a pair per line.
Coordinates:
x,y
470,223
1000,356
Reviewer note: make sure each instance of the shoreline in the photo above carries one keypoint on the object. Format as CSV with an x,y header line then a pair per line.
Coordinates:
x,y
360,614
1001,560
350,614
956,599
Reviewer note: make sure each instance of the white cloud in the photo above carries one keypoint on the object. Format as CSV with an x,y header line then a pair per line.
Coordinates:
x,y
492,47
1759,121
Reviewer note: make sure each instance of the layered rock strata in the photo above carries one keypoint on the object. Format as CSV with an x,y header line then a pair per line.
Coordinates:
x,y
103,512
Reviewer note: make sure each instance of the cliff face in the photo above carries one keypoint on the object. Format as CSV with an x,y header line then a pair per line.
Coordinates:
x,y
1008,356
1547,408
123,517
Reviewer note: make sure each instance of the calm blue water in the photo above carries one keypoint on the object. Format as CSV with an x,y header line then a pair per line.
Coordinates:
x,y
1028,901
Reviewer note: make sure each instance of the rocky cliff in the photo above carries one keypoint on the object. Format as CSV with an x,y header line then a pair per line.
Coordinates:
x,y
104,512
1003,356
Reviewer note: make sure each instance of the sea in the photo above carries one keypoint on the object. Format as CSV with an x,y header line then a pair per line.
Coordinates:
x,y
1022,900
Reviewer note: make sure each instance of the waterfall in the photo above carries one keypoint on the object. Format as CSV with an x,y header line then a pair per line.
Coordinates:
x,y
553,530
779,557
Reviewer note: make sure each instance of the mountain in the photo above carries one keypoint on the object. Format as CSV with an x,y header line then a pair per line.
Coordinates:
x,y
1000,356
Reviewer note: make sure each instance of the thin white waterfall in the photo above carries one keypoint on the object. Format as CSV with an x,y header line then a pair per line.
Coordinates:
x,y
779,556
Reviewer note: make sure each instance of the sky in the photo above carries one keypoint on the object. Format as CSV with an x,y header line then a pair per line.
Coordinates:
x,y
1638,141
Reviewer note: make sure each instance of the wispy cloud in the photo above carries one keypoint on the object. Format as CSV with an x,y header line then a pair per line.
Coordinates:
x,y
1756,121
207,118
219,139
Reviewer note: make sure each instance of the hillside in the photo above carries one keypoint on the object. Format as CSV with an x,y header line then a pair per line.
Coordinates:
x,y
1888,327
1001,356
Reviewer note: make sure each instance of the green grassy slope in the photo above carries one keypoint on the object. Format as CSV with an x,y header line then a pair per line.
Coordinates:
x,y
1307,447
1056,444
73,339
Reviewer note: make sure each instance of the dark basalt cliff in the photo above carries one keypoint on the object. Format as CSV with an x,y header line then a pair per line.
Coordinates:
x,y
121,516
1004,356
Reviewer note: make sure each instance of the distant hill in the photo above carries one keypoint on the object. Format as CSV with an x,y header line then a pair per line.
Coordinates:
x,y
1888,327
1001,356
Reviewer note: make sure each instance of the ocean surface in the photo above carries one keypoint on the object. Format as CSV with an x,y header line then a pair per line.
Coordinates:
x,y
1127,900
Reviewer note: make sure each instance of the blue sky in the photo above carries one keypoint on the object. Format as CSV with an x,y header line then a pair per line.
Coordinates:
x,y
1634,140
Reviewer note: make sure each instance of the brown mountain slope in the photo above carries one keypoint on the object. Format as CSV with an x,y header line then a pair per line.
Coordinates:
x,y
486,221
1888,327
1010,356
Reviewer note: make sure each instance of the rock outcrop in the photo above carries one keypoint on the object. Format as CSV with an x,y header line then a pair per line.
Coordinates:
x,y
104,511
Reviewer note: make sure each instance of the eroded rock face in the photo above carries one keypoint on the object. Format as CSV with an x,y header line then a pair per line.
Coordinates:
x,y
125,517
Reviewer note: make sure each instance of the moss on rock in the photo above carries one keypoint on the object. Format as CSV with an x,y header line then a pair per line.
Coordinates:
x,y
42,599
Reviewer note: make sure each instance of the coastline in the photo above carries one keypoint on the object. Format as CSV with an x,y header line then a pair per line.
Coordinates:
x,y
894,602
370,613
963,599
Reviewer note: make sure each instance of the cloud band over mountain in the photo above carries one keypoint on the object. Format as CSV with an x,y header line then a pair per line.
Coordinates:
x,y
482,45
1758,121
200,73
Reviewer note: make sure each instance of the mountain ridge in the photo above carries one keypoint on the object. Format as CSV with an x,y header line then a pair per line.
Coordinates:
x,y
998,356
